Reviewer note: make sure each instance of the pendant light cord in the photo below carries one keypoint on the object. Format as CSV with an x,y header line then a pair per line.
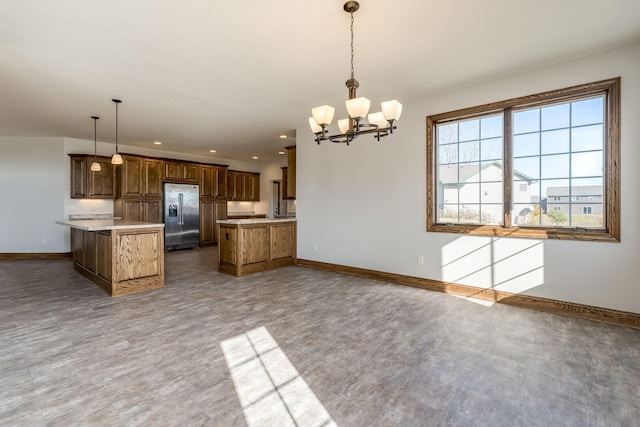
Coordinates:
x,y
352,73
95,138
117,127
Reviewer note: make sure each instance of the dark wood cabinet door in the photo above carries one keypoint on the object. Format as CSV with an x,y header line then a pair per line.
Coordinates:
x,y
219,214
152,211
283,183
190,172
102,184
132,210
78,177
255,188
172,171
152,182
207,181
87,184
210,212
131,176
291,172
220,182
207,222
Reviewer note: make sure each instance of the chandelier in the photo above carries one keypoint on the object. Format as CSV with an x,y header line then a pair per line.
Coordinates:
x,y
379,124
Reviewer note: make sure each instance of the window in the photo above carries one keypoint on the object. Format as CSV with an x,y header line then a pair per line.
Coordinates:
x,y
521,167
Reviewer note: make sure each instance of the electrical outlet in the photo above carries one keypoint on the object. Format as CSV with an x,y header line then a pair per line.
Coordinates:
x,y
420,260
44,240
315,247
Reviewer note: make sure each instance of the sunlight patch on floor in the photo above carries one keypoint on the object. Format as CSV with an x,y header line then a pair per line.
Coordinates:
x,y
269,388
475,300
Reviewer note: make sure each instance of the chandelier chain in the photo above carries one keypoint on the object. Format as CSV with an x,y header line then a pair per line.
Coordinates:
x,y
352,73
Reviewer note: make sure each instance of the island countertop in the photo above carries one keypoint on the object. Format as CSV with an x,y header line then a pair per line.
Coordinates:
x,y
108,224
255,221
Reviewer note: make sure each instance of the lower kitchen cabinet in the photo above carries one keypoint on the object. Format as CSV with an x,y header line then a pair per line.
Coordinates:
x,y
136,209
250,246
210,212
120,260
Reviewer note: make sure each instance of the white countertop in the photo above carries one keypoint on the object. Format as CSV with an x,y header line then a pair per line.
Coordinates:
x,y
254,220
108,224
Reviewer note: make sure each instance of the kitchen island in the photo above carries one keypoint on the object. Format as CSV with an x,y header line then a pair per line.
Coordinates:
x,y
121,257
250,245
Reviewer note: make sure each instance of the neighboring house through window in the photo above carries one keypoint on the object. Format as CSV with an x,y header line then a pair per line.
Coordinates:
x,y
526,166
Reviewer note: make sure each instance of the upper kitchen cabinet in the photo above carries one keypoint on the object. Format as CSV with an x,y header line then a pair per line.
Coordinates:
x,y
243,186
283,182
291,172
213,181
181,171
86,184
139,189
140,177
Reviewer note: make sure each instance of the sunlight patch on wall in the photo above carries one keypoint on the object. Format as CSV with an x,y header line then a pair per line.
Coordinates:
x,y
503,264
269,388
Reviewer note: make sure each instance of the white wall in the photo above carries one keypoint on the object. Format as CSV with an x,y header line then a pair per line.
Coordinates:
x,y
35,185
365,206
32,191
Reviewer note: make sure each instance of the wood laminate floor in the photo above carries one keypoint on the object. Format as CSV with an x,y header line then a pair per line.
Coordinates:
x,y
296,346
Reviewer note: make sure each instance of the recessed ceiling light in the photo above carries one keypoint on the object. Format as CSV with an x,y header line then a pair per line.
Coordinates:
x,y
255,157
212,151
281,152
157,142
283,136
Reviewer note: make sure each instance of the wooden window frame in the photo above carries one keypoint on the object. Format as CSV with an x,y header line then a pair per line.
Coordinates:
x,y
610,232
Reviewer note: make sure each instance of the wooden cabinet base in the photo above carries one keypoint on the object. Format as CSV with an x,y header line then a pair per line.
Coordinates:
x,y
120,262
246,248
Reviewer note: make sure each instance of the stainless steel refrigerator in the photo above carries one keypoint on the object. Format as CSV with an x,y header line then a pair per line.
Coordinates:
x,y
181,216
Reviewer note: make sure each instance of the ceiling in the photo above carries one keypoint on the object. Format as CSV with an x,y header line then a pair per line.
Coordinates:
x,y
232,76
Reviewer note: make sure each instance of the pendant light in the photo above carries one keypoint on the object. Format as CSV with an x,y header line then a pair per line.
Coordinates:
x,y
95,166
116,159
359,122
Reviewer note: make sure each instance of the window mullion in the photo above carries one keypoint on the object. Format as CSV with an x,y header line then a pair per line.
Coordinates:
x,y
507,170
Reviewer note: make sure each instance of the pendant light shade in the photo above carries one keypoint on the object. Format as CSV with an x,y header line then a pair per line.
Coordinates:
x,y
323,115
391,110
358,107
95,166
116,159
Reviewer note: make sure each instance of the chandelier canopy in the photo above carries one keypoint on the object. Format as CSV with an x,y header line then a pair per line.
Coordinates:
x,y
380,124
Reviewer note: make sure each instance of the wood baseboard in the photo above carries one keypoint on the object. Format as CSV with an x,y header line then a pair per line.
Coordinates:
x,y
35,255
600,314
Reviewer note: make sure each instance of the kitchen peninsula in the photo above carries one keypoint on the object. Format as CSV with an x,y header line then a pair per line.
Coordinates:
x,y
121,257
250,245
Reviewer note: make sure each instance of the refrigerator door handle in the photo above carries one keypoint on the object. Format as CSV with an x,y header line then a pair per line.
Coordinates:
x,y
181,213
